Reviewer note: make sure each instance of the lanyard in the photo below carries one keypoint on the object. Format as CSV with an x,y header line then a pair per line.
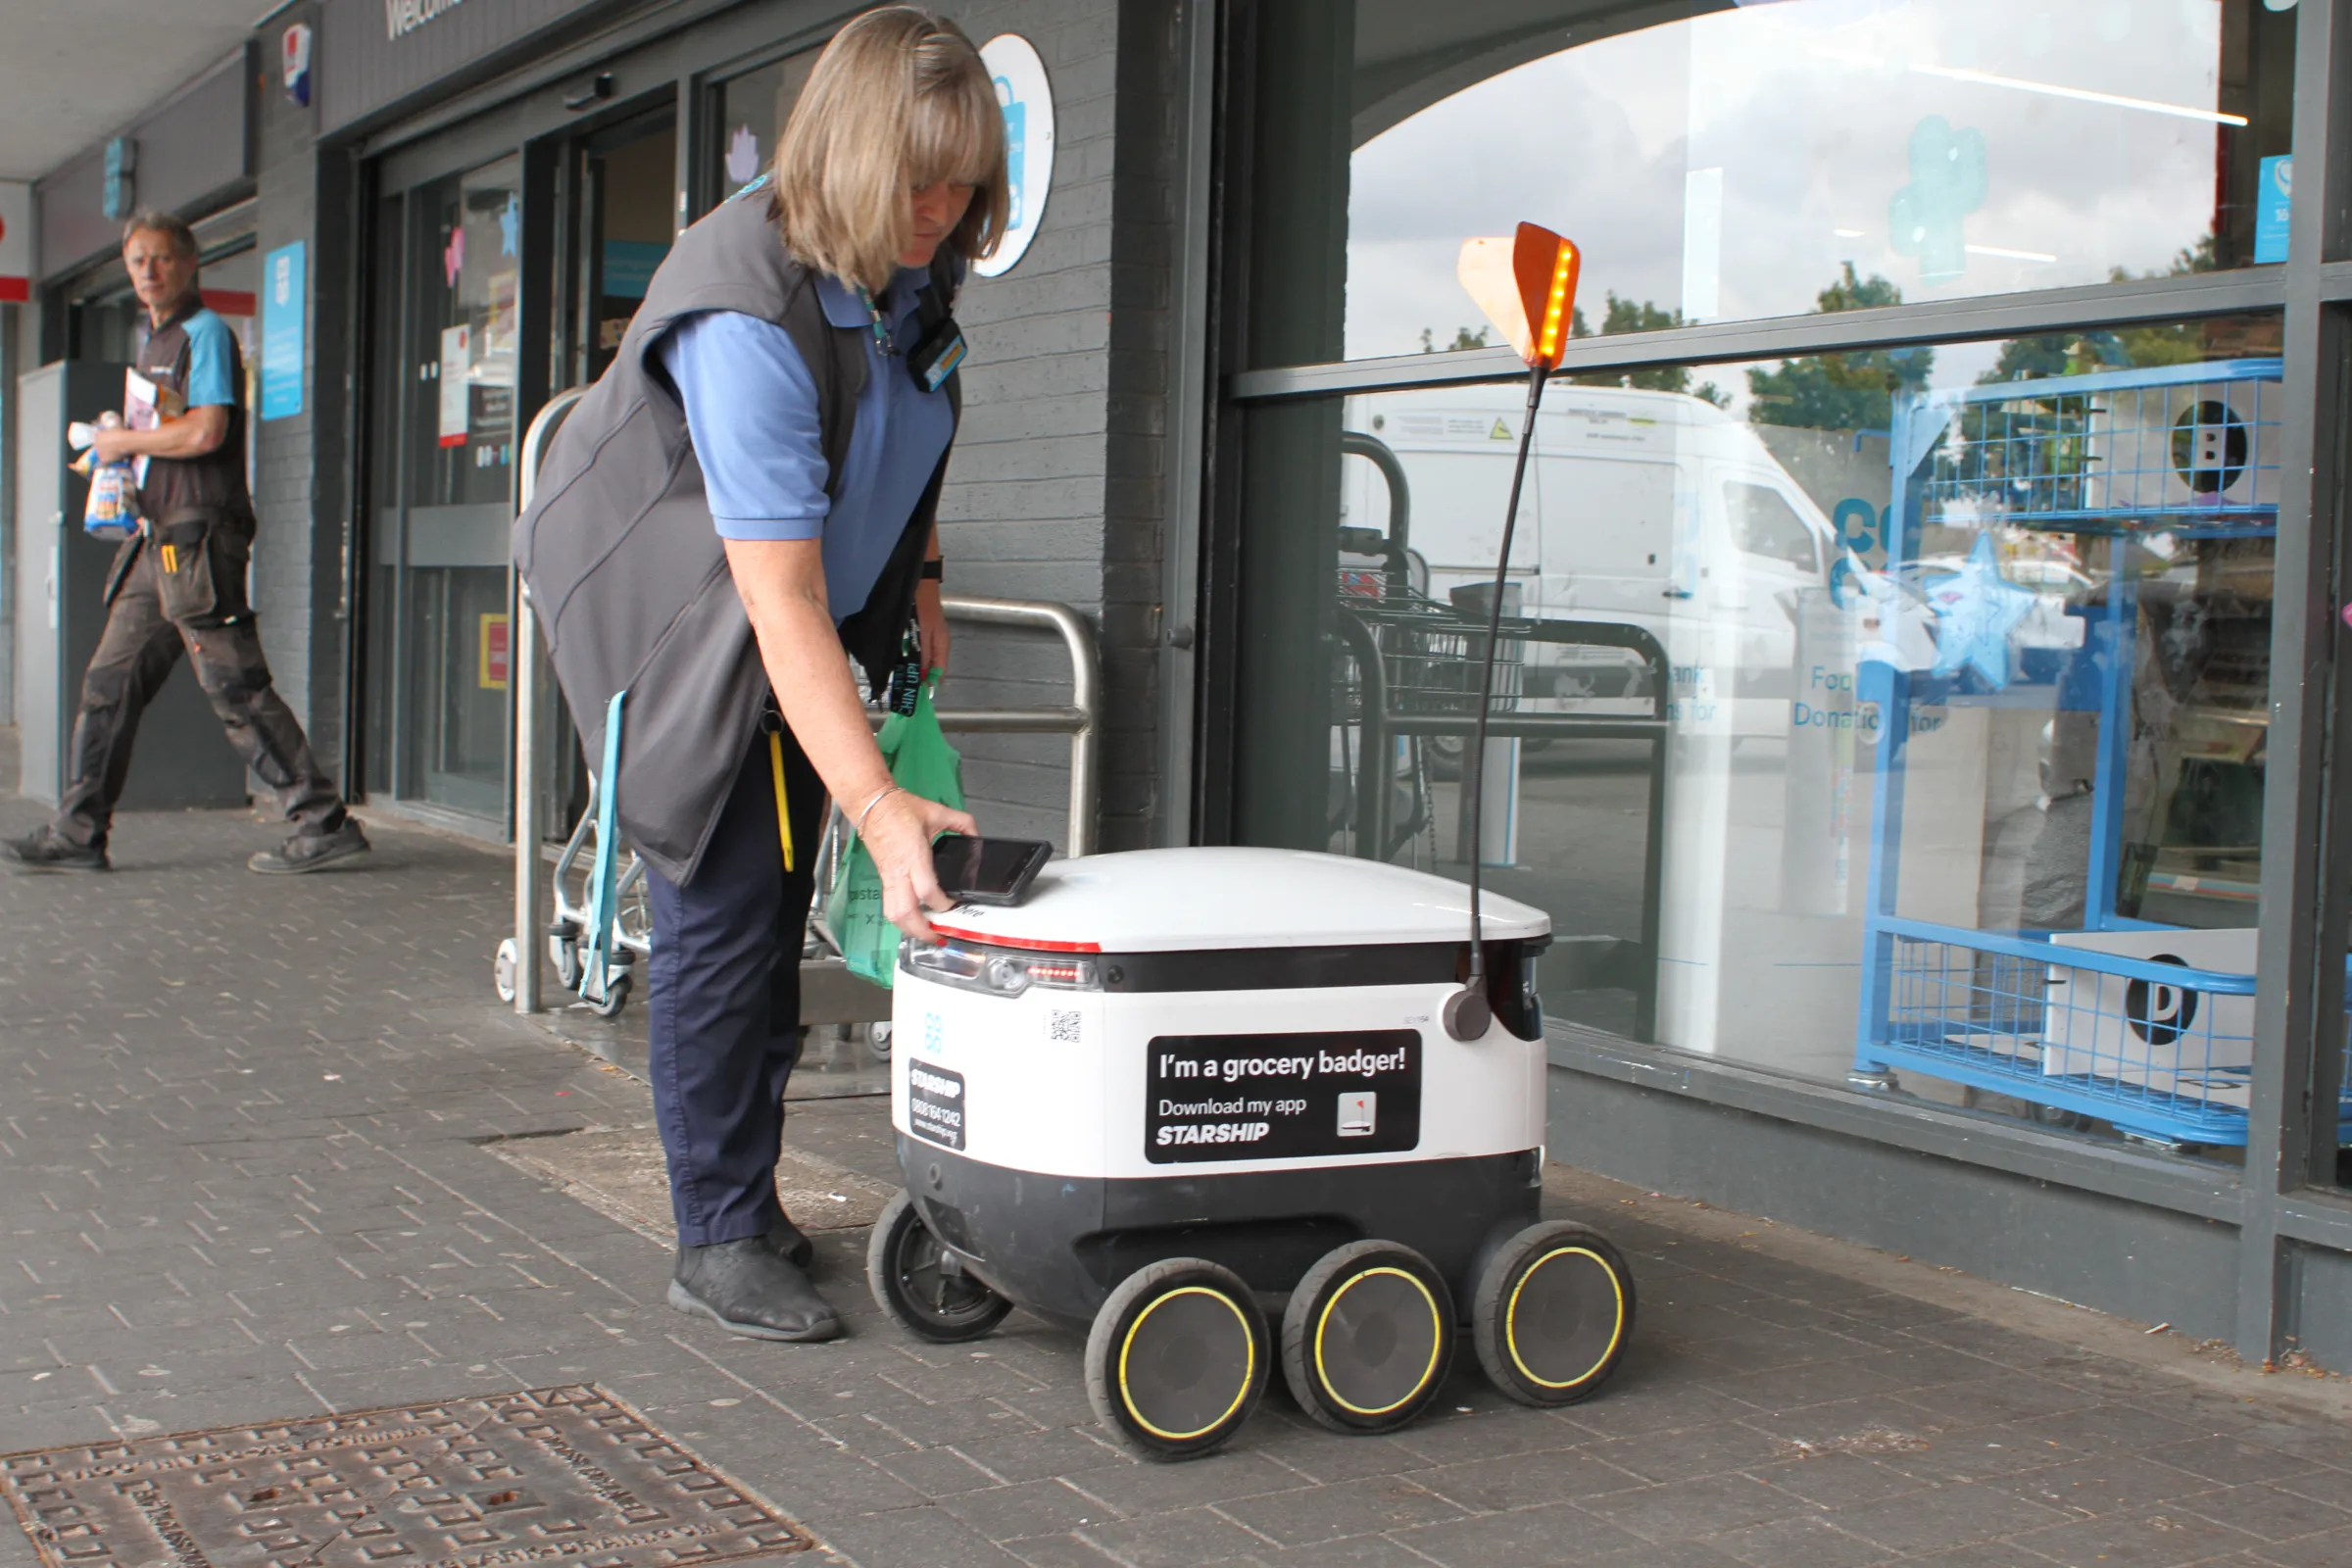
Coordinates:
x,y
882,335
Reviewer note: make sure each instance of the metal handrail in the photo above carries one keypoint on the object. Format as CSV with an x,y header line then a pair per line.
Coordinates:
x,y
1081,718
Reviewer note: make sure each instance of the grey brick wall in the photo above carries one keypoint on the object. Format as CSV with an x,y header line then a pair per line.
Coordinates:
x,y
1054,489
300,480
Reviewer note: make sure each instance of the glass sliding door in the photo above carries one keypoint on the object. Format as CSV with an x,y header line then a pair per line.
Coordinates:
x,y
460,446
445,439
467,253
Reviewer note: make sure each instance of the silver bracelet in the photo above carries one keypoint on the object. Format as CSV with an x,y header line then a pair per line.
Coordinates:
x,y
887,790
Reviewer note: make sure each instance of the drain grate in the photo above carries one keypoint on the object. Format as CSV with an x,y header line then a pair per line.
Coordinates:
x,y
552,1476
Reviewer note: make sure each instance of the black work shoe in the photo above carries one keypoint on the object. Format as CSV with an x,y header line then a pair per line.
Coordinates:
x,y
789,1243
51,851
745,1289
309,851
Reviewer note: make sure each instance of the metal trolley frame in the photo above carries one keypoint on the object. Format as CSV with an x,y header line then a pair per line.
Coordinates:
x,y
1414,677
2160,1050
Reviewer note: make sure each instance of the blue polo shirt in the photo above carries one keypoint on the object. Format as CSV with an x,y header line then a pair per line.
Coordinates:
x,y
211,353
751,410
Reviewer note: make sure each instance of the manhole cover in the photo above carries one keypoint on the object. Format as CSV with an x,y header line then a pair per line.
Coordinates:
x,y
549,1475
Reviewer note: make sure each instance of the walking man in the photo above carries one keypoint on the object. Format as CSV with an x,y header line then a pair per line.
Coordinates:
x,y
178,585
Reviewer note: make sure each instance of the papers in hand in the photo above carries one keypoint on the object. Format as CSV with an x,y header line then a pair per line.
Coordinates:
x,y
145,406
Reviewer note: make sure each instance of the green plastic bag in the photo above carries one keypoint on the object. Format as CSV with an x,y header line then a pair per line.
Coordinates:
x,y
923,763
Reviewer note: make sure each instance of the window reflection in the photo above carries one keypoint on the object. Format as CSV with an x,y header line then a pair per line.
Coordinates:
x,y
1900,712
751,111
1755,160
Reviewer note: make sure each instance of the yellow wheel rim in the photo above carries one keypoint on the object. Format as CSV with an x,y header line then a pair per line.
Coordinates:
x,y
1248,1362
1437,1340
1510,1321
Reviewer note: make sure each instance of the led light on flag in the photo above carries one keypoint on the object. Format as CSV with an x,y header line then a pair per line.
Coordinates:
x,y
1525,284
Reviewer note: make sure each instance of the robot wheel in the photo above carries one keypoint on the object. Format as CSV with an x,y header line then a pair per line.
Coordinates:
x,y
1368,1337
1555,1310
1177,1359
919,1285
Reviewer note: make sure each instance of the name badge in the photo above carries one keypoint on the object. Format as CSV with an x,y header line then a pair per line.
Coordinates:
x,y
937,356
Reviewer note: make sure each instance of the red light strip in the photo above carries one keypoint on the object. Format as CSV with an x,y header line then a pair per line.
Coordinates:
x,y
991,939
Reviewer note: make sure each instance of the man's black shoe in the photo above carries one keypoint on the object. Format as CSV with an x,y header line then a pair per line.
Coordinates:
x,y
308,853
745,1289
51,851
791,1243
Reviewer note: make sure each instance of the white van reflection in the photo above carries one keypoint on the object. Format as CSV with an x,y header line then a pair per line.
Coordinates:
x,y
1653,508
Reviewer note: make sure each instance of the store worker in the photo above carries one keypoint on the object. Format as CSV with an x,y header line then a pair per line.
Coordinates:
x,y
742,505
179,584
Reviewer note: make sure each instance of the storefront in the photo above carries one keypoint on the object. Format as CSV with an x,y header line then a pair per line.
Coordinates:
x,y
1920,691
1918,556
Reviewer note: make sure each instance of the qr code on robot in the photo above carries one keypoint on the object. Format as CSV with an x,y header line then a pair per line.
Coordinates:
x,y
1062,1028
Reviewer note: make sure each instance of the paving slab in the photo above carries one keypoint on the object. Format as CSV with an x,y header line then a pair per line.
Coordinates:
x,y
270,1153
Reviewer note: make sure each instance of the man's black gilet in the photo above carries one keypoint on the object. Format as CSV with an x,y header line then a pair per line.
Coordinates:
x,y
213,485
627,571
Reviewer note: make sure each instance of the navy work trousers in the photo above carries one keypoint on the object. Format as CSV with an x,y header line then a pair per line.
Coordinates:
x,y
725,1002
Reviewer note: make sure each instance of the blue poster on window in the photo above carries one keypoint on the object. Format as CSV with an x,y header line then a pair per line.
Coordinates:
x,y
281,332
2273,189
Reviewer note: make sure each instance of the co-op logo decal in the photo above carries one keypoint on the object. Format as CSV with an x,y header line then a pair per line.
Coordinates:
x,y
1026,99
2160,1013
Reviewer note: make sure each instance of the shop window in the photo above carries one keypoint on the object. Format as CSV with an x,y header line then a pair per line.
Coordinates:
x,y
1897,713
749,112
1753,161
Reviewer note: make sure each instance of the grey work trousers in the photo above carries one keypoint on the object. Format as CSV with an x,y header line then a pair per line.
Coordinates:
x,y
136,654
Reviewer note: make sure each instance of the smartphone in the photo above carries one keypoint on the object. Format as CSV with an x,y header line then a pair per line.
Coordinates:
x,y
987,871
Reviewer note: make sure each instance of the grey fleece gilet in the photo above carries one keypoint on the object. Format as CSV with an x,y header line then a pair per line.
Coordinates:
x,y
627,570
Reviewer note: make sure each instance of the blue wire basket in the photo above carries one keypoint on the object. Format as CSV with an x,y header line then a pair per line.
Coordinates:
x,y
2189,449
2163,1051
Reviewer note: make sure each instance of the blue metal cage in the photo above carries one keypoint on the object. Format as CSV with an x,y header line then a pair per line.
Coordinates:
x,y
2187,449
2161,1051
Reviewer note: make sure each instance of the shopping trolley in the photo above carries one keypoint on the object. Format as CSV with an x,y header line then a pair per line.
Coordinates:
x,y
572,880
1408,656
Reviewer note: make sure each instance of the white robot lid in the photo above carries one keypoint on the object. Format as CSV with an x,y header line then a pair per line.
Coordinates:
x,y
1192,900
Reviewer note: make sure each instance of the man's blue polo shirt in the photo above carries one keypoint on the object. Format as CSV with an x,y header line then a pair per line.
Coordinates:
x,y
751,410
211,382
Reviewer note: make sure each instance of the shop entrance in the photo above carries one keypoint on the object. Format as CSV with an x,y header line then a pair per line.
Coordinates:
x,y
467,259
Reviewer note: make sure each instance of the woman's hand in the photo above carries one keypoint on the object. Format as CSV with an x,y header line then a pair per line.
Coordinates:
x,y
931,623
898,834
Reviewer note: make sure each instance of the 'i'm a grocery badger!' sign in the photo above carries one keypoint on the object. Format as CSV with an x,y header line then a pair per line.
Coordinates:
x,y
1283,1096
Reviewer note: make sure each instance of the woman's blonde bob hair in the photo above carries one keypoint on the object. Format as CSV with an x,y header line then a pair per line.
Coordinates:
x,y
898,102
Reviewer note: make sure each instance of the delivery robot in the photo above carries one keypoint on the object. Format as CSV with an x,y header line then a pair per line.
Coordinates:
x,y
1173,1085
